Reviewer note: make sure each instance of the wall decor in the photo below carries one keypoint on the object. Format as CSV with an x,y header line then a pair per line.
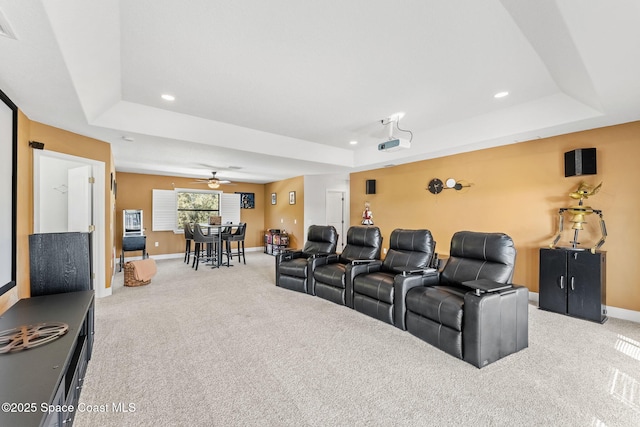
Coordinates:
x,y
8,182
436,185
292,197
247,200
579,213
274,198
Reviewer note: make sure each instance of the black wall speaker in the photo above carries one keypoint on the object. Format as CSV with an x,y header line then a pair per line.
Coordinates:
x,y
371,186
581,161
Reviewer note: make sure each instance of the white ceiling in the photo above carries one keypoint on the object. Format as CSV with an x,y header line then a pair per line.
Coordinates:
x,y
278,88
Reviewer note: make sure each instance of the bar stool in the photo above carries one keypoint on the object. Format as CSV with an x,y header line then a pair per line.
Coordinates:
x,y
237,236
188,237
202,243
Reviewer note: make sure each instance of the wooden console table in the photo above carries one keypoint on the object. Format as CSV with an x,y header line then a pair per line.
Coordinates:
x,y
40,383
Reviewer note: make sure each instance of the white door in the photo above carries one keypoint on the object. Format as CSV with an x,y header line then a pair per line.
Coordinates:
x,y
80,202
335,215
49,170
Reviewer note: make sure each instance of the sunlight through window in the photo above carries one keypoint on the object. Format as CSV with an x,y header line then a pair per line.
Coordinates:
x,y
628,346
625,388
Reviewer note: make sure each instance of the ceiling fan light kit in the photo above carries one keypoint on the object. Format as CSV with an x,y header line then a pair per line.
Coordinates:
x,y
213,182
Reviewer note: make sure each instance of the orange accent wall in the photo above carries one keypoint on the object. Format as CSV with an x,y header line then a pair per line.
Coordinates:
x,y
135,192
517,189
24,215
285,216
61,141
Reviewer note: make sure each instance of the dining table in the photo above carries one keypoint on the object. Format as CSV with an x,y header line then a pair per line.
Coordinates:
x,y
217,229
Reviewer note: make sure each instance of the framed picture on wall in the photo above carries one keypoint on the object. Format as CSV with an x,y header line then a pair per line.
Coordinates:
x,y
247,200
292,197
274,198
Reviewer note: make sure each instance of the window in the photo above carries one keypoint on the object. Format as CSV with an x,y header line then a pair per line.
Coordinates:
x,y
196,206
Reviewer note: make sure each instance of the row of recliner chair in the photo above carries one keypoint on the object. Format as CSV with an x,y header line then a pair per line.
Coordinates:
x,y
468,308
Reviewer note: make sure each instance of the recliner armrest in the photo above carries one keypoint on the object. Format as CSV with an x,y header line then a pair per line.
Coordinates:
x,y
496,324
402,284
363,261
364,268
406,271
320,255
481,286
332,258
288,255
352,270
317,261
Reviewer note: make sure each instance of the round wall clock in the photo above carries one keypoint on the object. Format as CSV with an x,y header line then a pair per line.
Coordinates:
x,y
435,186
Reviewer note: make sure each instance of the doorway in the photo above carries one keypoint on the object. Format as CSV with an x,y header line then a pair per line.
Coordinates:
x,y
64,201
335,214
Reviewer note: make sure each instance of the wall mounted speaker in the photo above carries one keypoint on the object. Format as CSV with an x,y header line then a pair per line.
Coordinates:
x,y
581,161
371,186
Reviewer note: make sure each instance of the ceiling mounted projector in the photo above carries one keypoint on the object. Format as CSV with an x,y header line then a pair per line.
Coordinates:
x,y
394,145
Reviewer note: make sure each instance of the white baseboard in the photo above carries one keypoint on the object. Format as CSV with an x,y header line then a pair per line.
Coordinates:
x,y
618,313
623,313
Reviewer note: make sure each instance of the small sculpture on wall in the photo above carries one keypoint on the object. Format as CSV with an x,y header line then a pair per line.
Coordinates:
x,y
367,215
579,213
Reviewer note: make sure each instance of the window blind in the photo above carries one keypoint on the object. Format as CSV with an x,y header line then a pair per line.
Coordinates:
x,y
164,207
230,207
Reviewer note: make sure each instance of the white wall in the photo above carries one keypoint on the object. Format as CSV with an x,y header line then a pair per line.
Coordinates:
x,y
6,192
53,206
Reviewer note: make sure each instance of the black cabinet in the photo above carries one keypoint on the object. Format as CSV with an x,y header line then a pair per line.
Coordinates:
x,y
573,282
60,262
42,382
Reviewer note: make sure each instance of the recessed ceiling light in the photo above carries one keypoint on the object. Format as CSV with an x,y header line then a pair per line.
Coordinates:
x,y
168,97
501,94
353,142
128,138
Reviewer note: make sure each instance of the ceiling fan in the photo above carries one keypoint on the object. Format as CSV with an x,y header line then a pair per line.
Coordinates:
x,y
213,182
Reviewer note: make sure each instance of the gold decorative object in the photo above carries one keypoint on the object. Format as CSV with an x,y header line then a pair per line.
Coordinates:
x,y
579,214
29,336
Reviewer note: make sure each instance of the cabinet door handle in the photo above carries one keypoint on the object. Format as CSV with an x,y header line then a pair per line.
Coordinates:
x,y
573,281
561,282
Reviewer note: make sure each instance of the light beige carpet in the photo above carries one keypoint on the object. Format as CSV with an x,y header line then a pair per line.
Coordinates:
x,y
226,347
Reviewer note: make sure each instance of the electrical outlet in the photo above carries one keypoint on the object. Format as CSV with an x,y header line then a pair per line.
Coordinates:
x,y
157,244
384,250
281,220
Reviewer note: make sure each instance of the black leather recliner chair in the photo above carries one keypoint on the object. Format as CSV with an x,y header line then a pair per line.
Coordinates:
x,y
293,268
379,288
331,273
471,310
